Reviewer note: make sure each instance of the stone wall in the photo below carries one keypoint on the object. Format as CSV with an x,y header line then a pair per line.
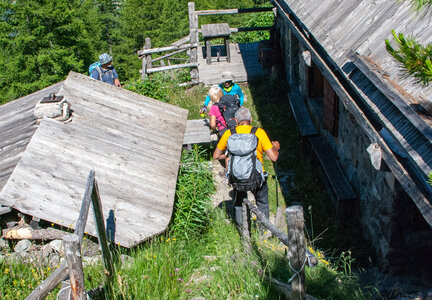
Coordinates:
x,y
375,189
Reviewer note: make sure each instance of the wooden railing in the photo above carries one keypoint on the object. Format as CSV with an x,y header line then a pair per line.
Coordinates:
x,y
189,43
73,268
298,255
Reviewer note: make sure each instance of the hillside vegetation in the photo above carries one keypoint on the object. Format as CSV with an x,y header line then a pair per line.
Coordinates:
x,y
41,41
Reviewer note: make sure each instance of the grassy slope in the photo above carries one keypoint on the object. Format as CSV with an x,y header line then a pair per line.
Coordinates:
x,y
212,264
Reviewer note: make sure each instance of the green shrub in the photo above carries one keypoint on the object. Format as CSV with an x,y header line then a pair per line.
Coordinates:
x,y
151,87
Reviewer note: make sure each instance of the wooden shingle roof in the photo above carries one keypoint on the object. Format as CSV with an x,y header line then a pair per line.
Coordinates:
x,y
132,142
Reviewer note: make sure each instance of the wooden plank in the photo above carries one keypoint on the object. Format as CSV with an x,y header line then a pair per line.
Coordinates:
x,y
172,67
392,95
232,11
181,41
95,90
215,30
168,48
332,169
72,251
168,55
130,141
193,34
301,115
101,233
4,210
197,132
28,101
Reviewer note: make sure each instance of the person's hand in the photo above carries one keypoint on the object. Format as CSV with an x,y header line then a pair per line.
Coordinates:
x,y
203,110
276,145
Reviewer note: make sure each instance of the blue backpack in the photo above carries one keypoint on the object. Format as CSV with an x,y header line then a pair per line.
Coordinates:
x,y
94,66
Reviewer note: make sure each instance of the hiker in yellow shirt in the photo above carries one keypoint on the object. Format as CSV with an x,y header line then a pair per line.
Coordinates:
x,y
271,148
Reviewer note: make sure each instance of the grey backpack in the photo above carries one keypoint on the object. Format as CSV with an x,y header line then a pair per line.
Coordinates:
x,y
245,172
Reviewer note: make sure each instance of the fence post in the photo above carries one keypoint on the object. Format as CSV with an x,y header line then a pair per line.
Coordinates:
x,y
100,227
297,250
245,227
72,252
147,60
193,33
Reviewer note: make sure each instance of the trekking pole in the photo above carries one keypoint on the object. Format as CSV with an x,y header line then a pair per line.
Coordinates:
x,y
276,184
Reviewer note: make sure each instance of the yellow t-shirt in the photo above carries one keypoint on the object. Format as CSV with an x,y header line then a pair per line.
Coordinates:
x,y
264,142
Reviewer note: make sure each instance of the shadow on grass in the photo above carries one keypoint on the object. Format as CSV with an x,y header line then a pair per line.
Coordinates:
x,y
299,179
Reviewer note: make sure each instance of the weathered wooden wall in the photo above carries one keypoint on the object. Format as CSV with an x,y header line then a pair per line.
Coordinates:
x,y
17,125
132,142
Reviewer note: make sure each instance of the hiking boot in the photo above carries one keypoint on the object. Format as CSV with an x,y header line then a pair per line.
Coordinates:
x,y
222,174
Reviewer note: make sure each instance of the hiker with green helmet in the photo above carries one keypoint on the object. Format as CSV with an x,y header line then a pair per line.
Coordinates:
x,y
228,88
104,71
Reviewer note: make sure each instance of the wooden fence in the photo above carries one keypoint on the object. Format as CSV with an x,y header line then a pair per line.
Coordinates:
x,y
189,43
73,268
298,255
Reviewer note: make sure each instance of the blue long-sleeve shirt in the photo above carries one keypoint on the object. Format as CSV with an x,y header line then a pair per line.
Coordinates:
x,y
235,90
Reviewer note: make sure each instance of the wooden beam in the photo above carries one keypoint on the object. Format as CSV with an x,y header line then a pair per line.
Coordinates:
x,y
168,55
367,69
193,34
408,184
72,252
61,273
172,67
181,41
285,288
4,210
247,29
30,233
301,115
232,11
169,48
100,226
191,83
297,250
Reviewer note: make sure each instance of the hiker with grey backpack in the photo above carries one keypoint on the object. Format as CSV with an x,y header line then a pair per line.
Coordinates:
x,y
246,146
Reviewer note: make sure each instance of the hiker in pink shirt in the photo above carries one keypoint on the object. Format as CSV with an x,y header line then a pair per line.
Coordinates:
x,y
217,121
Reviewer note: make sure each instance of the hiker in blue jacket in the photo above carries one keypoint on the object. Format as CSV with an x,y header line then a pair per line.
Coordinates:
x,y
105,72
228,87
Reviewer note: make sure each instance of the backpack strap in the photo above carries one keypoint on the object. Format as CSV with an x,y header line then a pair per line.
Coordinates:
x,y
233,131
253,130
98,69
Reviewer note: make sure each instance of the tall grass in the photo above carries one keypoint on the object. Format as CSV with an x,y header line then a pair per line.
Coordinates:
x,y
194,187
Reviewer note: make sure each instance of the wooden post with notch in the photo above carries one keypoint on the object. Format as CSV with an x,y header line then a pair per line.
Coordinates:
x,y
147,60
193,33
72,252
297,250
100,227
246,228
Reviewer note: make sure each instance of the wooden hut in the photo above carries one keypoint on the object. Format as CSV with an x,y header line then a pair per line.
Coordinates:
x,y
132,142
352,103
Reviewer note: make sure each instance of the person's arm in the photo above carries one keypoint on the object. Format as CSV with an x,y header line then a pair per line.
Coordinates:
x,y
273,153
219,154
221,146
116,80
212,122
207,100
240,94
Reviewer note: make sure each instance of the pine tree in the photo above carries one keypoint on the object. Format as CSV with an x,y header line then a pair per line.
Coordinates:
x,y
413,57
42,41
